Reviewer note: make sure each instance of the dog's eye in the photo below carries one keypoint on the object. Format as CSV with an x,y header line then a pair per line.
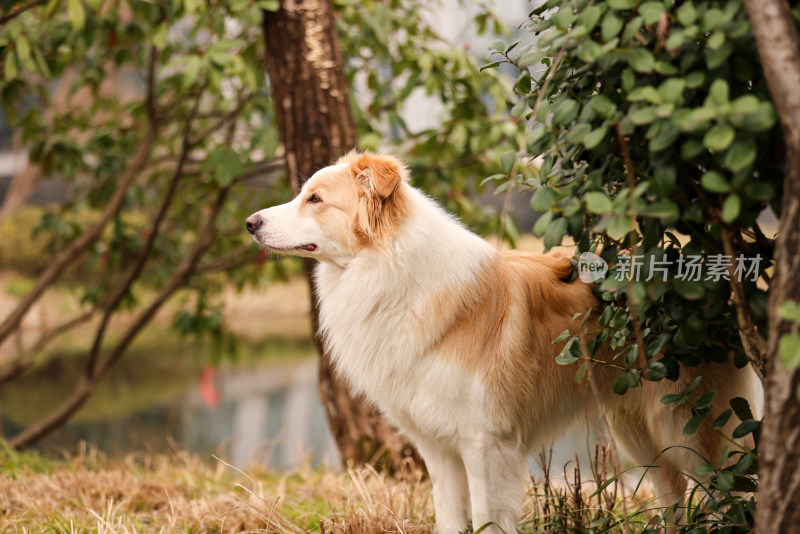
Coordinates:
x,y
314,198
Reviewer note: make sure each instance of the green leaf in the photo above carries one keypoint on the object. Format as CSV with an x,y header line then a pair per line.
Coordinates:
x,y
497,46
491,65
642,116
666,136
674,41
651,12
741,154
656,370
714,182
620,384
562,337
762,120
722,419
641,60
269,5
621,4
705,469
611,26
519,108
563,17
662,209
593,138
731,208
719,91
741,408
716,40
76,14
507,160
565,111
724,480
646,93
543,199
555,232
671,90
746,427
225,165
671,398
10,70
589,17
693,424
542,224
790,311
619,226
686,14
603,106
529,58
597,202
705,400
689,289
789,351
719,137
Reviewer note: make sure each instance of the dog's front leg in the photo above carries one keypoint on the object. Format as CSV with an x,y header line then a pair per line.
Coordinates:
x,y
450,489
497,473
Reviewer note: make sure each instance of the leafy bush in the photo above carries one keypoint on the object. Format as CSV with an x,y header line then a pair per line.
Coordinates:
x,y
656,141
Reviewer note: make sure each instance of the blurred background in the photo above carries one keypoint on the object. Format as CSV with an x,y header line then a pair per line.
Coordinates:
x,y
136,136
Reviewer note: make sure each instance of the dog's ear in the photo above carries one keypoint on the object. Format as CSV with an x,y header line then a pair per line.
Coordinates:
x,y
379,174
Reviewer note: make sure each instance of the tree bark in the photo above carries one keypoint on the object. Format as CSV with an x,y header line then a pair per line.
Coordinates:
x,y
315,121
779,50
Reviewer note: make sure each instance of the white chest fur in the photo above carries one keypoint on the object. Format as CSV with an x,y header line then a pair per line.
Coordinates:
x,y
376,312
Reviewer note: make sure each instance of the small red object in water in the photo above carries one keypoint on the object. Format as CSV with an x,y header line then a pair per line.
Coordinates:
x,y
208,391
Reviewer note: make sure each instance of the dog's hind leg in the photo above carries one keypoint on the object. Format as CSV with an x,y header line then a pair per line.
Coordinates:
x,y
450,489
634,433
496,469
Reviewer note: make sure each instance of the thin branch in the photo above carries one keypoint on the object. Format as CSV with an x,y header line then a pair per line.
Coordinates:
x,y
83,391
753,343
14,13
116,297
222,121
76,249
27,360
641,360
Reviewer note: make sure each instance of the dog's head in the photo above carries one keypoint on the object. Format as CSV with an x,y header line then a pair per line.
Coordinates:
x,y
355,204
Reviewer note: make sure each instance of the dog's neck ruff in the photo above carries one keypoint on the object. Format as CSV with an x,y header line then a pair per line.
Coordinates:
x,y
368,307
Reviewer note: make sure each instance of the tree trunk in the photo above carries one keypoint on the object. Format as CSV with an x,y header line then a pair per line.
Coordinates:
x,y
779,474
316,125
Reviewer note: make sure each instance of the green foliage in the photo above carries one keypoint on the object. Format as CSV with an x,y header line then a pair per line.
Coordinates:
x,y
678,87
76,86
393,49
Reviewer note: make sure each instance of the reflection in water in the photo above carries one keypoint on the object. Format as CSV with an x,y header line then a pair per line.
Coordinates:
x,y
268,413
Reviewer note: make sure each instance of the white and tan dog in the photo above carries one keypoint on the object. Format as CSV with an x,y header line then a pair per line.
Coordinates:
x,y
452,340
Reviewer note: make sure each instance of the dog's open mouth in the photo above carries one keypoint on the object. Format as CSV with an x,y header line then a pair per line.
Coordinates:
x,y
311,247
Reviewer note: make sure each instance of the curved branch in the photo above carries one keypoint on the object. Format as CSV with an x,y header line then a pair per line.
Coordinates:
x,y
16,12
26,361
753,343
83,391
144,254
75,250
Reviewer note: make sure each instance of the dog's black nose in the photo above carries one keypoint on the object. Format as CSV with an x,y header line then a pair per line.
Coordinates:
x,y
253,223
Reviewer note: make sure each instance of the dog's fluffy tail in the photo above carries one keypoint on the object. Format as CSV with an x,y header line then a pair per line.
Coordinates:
x,y
560,264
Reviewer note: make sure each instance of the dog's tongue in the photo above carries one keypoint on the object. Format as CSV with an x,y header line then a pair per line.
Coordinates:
x,y
309,247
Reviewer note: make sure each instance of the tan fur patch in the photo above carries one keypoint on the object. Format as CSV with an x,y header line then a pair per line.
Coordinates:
x,y
382,201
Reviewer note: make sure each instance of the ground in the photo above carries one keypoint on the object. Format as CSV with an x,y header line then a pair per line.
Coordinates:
x,y
87,493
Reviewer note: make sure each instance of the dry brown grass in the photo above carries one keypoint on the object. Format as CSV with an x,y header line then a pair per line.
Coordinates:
x,y
184,493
